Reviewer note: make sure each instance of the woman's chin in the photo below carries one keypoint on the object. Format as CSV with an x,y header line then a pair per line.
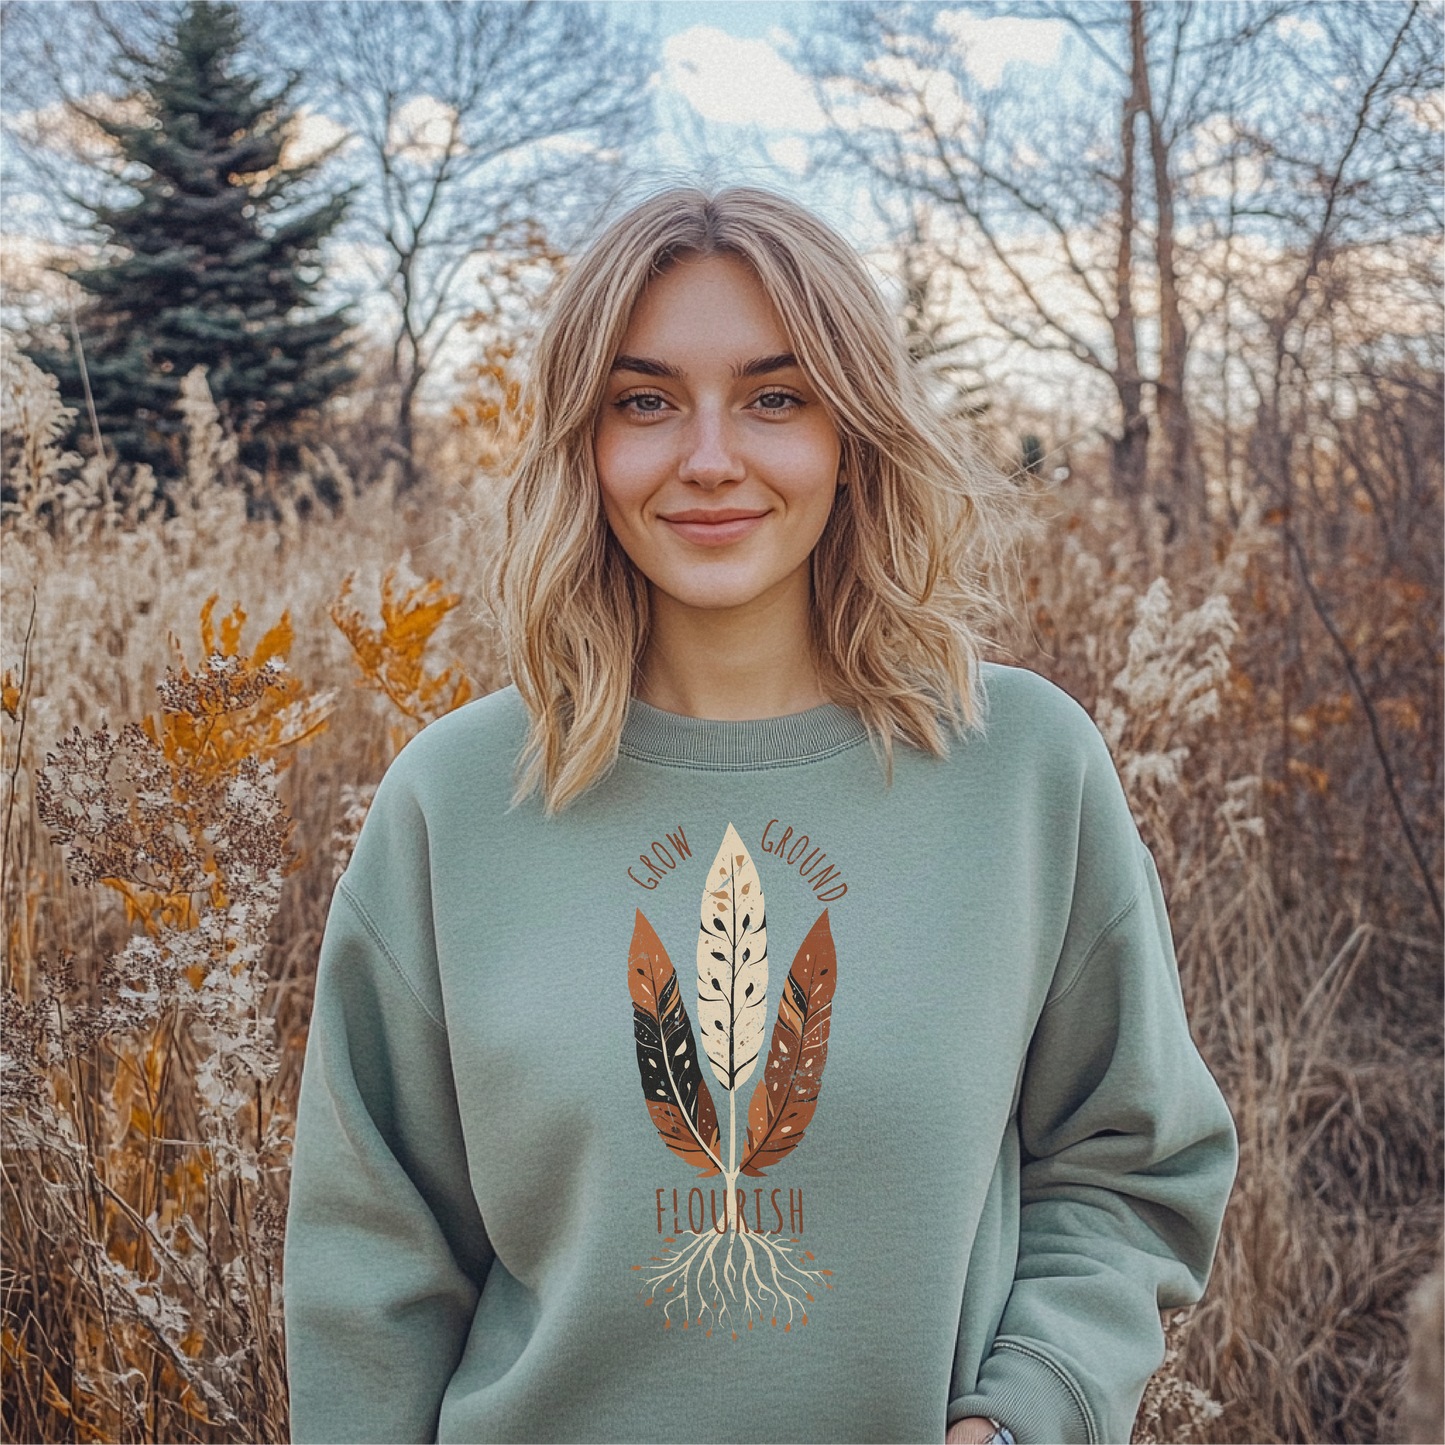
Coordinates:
x,y
722,596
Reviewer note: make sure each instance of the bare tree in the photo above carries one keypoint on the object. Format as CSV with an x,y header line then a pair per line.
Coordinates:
x,y
1342,350
1082,216
474,125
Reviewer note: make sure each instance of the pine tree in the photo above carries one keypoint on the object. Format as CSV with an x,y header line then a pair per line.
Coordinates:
x,y
214,262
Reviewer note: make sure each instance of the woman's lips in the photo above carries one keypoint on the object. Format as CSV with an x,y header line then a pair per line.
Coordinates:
x,y
714,529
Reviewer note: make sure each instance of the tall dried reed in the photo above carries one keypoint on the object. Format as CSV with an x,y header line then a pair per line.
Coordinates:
x,y
138,1089
1312,988
164,894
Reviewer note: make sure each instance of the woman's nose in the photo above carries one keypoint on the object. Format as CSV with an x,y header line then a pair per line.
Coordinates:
x,y
711,454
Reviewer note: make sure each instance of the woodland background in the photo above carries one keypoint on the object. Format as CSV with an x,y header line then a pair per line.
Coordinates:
x,y
1181,274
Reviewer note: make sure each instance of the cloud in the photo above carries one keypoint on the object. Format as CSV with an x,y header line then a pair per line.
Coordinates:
x,y
790,152
990,44
1298,27
423,129
1427,111
312,134
740,82
67,131
920,90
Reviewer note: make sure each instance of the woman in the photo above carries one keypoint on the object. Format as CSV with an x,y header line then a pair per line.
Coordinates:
x,y
923,1145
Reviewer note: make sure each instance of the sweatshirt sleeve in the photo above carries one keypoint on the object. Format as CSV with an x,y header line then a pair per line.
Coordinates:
x,y
1128,1155
386,1250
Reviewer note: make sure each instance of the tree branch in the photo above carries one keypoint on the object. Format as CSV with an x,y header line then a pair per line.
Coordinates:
x,y
1381,751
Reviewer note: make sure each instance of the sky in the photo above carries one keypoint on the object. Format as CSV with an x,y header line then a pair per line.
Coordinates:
x,y
745,19
730,108
730,105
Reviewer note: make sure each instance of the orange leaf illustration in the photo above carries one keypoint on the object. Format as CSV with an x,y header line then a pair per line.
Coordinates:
x,y
786,1096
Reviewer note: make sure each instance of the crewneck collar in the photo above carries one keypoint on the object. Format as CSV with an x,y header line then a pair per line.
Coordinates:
x,y
654,736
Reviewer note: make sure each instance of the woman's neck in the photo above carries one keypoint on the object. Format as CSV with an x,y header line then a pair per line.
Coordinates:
x,y
732,664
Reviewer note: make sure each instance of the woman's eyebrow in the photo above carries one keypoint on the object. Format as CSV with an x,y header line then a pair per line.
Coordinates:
x,y
759,366
645,366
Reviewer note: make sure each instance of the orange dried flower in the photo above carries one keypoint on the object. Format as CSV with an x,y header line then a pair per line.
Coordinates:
x,y
392,658
233,706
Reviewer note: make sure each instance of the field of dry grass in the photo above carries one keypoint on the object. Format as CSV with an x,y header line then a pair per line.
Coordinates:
x,y
207,773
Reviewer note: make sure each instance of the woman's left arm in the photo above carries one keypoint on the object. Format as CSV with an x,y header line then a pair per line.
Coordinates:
x,y
1128,1154
976,1430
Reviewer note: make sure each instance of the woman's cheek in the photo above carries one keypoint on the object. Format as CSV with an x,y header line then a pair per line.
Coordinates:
x,y
627,466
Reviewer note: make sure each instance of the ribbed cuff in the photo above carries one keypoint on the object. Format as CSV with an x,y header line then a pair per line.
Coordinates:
x,y
1037,1399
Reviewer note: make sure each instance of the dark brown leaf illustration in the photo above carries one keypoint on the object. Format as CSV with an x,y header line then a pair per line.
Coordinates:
x,y
672,1083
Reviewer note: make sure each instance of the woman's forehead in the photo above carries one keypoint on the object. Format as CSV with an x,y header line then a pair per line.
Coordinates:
x,y
709,309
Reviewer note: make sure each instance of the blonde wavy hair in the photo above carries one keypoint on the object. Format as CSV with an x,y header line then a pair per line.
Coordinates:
x,y
899,575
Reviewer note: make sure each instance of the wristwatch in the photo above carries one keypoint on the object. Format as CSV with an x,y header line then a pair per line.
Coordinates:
x,y
1002,1435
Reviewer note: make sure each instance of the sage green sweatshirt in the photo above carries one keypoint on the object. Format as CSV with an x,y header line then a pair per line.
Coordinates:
x,y
751,1098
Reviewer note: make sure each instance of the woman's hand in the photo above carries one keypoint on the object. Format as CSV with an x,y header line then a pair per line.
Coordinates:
x,y
976,1430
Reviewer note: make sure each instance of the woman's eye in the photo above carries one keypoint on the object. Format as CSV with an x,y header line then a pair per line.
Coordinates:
x,y
643,403
777,401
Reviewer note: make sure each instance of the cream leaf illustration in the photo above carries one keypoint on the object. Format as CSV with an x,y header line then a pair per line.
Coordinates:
x,y
732,964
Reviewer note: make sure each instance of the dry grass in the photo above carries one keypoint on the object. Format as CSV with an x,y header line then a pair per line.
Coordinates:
x,y
154,1036
1309,964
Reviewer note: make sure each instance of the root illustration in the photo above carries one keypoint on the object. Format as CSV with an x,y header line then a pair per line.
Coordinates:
x,y
731,1281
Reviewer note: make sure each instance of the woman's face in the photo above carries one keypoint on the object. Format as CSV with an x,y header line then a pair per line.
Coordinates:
x,y
717,459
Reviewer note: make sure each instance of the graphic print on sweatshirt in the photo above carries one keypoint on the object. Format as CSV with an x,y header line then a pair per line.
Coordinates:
x,y
724,1271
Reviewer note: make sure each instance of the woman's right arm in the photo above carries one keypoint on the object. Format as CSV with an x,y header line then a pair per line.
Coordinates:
x,y
386,1251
